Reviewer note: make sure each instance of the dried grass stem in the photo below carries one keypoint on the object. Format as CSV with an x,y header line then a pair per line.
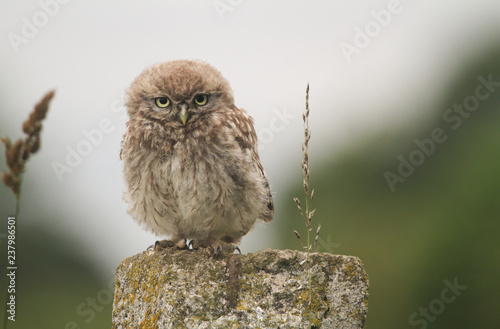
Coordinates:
x,y
17,154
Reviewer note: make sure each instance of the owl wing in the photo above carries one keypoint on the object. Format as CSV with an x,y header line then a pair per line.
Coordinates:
x,y
247,139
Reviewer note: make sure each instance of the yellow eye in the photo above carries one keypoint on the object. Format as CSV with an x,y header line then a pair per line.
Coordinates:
x,y
201,99
162,102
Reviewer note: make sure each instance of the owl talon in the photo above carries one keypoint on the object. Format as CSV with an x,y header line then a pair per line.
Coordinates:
x,y
163,244
197,244
218,249
226,249
156,246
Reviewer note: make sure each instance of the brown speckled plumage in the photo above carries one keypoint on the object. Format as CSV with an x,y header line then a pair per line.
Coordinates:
x,y
201,180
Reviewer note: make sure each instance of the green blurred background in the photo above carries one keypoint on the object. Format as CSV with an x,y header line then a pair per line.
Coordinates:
x,y
441,224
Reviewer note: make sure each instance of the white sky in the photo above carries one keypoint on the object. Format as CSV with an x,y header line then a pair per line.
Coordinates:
x,y
269,50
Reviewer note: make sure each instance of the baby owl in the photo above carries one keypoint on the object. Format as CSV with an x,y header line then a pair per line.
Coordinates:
x,y
191,166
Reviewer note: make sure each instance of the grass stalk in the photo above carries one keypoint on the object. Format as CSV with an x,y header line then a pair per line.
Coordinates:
x,y
307,213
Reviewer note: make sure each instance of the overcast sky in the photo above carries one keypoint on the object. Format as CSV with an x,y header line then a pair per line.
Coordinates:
x,y
370,64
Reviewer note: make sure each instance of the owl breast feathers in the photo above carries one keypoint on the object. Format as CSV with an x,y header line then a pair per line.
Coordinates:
x,y
191,165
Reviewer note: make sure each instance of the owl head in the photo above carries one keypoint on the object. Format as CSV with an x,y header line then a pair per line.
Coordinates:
x,y
178,93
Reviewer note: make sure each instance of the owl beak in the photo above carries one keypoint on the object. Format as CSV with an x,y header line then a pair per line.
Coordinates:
x,y
183,114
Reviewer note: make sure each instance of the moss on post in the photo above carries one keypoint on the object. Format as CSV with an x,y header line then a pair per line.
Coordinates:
x,y
267,289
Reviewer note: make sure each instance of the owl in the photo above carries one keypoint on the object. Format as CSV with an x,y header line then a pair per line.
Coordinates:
x,y
190,160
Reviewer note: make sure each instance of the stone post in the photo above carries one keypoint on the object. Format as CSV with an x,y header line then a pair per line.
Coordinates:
x,y
176,288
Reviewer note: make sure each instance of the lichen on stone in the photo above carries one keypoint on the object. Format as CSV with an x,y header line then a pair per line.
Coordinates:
x,y
268,289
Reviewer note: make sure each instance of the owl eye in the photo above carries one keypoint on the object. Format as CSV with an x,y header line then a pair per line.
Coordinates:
x,y
162,102
201,99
